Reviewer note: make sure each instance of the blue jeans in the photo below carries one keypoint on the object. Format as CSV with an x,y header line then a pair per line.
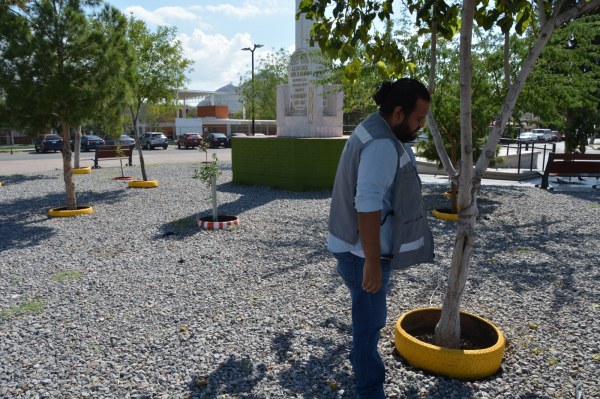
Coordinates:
x,y
369,313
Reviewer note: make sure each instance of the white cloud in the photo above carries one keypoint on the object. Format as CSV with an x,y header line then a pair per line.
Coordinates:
x,y
249,9
218,60
162,15
212,38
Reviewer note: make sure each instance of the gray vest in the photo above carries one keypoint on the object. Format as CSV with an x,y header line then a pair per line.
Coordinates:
x,y
412,237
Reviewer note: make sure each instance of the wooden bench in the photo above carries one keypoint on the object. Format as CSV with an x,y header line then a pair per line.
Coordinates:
x,y
571,165
110,152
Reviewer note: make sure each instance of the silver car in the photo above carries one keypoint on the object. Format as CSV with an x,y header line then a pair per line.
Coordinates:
x,y
151,140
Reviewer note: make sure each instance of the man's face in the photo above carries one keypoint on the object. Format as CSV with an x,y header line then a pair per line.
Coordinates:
x,y
406,128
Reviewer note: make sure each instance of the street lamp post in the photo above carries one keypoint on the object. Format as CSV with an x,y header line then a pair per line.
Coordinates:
x,y
254,47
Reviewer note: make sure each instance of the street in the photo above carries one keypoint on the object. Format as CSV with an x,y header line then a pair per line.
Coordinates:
x,y
32,162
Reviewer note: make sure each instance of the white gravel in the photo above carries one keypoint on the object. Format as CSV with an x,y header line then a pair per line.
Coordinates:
x,y
137,302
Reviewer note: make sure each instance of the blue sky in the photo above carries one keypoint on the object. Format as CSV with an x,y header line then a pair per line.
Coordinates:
x,y
214,32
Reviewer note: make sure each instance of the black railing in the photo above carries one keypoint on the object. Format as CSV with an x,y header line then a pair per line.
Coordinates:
x,y
521,147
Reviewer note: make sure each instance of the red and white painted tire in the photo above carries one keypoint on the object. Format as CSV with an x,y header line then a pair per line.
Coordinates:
x,y
224,222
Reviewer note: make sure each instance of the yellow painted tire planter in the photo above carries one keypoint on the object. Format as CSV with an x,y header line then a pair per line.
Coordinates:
x,y
82,171
463,364
143,183
451,217
223,223
64,212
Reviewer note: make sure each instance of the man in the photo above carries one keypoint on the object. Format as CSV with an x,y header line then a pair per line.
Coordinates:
x,y
377,220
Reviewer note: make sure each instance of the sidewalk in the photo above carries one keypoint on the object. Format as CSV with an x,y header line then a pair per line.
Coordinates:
x,y
514,177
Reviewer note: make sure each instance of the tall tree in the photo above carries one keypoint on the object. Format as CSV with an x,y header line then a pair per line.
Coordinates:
x,y
159,70
271,71
61,61
349,23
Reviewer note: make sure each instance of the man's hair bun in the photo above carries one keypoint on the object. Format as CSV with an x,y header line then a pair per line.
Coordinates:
x,y
382,92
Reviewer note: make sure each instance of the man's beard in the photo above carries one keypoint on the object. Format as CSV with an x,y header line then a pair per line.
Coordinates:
x,y
403,132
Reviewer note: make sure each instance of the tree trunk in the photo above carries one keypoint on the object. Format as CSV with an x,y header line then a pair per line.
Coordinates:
x,y
67,170
431,123
507,59
213,189
448,329
77,147
136,136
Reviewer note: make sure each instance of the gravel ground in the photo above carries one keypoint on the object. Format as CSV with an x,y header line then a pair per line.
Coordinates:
x,y
133,301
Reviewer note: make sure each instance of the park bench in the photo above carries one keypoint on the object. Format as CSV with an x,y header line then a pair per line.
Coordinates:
x,y
110,152
571,165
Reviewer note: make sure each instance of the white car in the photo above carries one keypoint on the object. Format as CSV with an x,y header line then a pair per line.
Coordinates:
x,y
152,140
544,135
527,137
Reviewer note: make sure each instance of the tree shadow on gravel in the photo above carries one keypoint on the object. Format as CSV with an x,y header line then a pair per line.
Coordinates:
x,y
318,377
256,196
235,376
13,180
20,218
181,228
441,387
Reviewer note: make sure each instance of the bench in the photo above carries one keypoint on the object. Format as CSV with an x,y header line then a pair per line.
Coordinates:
x,y
110,152
571,165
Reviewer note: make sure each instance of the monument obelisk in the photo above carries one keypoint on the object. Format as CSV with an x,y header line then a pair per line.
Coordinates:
x,y
305,108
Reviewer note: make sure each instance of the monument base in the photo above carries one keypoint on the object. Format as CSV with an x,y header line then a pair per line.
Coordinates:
x,y
295,164
298,126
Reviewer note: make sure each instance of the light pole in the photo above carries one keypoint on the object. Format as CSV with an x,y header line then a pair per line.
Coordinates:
x,y
254,47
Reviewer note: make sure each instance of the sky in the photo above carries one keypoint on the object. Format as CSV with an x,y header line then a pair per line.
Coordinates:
x,y
213,32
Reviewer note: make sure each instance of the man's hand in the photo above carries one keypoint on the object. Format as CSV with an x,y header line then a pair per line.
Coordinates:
x,y
372,277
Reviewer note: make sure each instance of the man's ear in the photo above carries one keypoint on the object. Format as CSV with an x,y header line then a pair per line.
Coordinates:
x,y
398,114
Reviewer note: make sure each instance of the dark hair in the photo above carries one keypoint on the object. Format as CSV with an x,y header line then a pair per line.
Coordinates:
x,y
403,92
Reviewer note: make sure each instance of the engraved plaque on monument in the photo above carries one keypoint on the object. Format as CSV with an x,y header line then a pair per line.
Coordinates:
x,y
304,107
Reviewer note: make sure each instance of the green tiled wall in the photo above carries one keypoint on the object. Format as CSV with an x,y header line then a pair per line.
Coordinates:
x,y
296,164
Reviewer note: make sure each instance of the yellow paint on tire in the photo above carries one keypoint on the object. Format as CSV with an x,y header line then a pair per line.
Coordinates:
x,y
143,183
454,363
82,171
451,217
64,212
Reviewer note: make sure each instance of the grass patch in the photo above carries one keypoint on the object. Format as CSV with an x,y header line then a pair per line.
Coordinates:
x,y
33,306
66,276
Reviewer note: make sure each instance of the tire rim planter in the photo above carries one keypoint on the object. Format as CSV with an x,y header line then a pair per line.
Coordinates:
x,y
143,183
445,214
463,364
64,212
82,171
223,222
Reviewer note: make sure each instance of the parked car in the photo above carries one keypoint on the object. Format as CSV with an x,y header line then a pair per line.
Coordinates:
x,y
187,140
527,137
238,135
48,142
544,135
216,140
124,140
555,136
151,140
88,142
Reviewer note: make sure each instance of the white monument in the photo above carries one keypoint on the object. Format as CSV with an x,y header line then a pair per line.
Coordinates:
x,y
304,107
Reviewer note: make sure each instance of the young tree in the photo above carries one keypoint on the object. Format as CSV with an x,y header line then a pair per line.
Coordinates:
x,y
159,70
59,64
351,23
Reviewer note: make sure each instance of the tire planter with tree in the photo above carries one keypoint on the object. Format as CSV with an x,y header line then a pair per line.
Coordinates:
x,y
65,212
483,360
